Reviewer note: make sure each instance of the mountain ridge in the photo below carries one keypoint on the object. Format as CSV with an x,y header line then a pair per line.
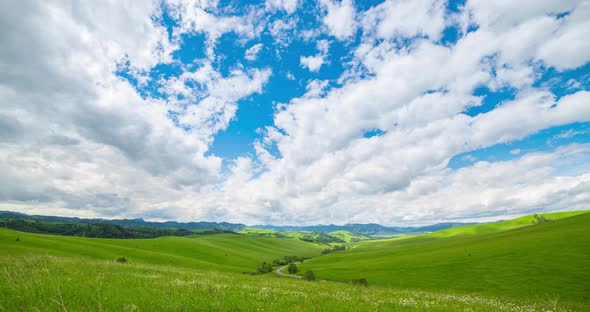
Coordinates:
x,y
360,228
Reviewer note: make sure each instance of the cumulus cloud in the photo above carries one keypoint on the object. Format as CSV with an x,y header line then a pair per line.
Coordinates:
x,y
77,139
288,6
82,139
340,18
405,19
315,62
200,17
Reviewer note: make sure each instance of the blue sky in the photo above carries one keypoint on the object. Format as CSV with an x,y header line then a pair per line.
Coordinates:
x,y
297,112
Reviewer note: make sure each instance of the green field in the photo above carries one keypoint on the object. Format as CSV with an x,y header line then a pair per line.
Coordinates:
x,y
536,262
223,252
506,266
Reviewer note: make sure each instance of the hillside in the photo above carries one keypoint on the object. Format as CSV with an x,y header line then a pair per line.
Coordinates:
x,y
99,230
127,223
370,229
548,260
348,236
534,268
503,225
43,283
225,252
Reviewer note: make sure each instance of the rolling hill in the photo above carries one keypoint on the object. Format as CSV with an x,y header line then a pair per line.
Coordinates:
x,y
513,266
512,258
224,252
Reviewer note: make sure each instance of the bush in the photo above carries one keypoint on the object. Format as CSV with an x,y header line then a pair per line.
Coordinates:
x,y
539,219
264,268
309,276
121,260
360,282
288,259
337,248
292,268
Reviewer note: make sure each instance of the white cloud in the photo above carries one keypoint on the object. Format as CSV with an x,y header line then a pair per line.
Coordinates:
x,y
209,107
288,6
252,52
340,18
315,62
515,151
405,19
196,17
573,34
79,139
76,139
281,31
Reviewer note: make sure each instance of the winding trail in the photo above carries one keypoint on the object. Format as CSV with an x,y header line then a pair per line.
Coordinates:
x,y
280,272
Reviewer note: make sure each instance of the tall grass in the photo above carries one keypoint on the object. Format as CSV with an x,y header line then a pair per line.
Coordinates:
x,y
45,283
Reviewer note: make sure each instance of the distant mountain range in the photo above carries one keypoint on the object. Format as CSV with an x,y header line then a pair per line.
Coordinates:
x,y
370,229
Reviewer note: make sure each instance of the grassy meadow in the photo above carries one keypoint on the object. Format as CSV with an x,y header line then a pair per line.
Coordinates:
x,y
517,267
47,283
223,252
537,262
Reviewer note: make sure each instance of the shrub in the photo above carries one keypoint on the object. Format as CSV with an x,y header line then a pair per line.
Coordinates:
x,y
292,268
121,260
539,219
360,282
278,262
264,268
309,276
288,259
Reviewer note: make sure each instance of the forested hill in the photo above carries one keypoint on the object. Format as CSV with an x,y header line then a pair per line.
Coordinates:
x,y
128,223
98,230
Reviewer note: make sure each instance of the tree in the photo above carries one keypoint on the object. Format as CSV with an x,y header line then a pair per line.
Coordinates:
x,y
264,268
309,276
292,268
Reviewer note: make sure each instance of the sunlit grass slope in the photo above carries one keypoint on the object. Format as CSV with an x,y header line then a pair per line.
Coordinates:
x,y
348,236
503,225
226,252
535,262
257,231
46,283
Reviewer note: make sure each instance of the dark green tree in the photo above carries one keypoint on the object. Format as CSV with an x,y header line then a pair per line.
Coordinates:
x,y
292,268
309,276
264,268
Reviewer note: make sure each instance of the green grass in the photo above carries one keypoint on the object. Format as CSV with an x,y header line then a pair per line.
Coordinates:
x,y
536,262
487,228
533,268
45,283
224,252
257,231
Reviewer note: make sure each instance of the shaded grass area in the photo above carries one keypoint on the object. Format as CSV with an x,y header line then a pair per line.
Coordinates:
x,y
549,261
46,283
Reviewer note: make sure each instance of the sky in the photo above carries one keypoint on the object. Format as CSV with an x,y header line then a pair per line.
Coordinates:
x,y
293,112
